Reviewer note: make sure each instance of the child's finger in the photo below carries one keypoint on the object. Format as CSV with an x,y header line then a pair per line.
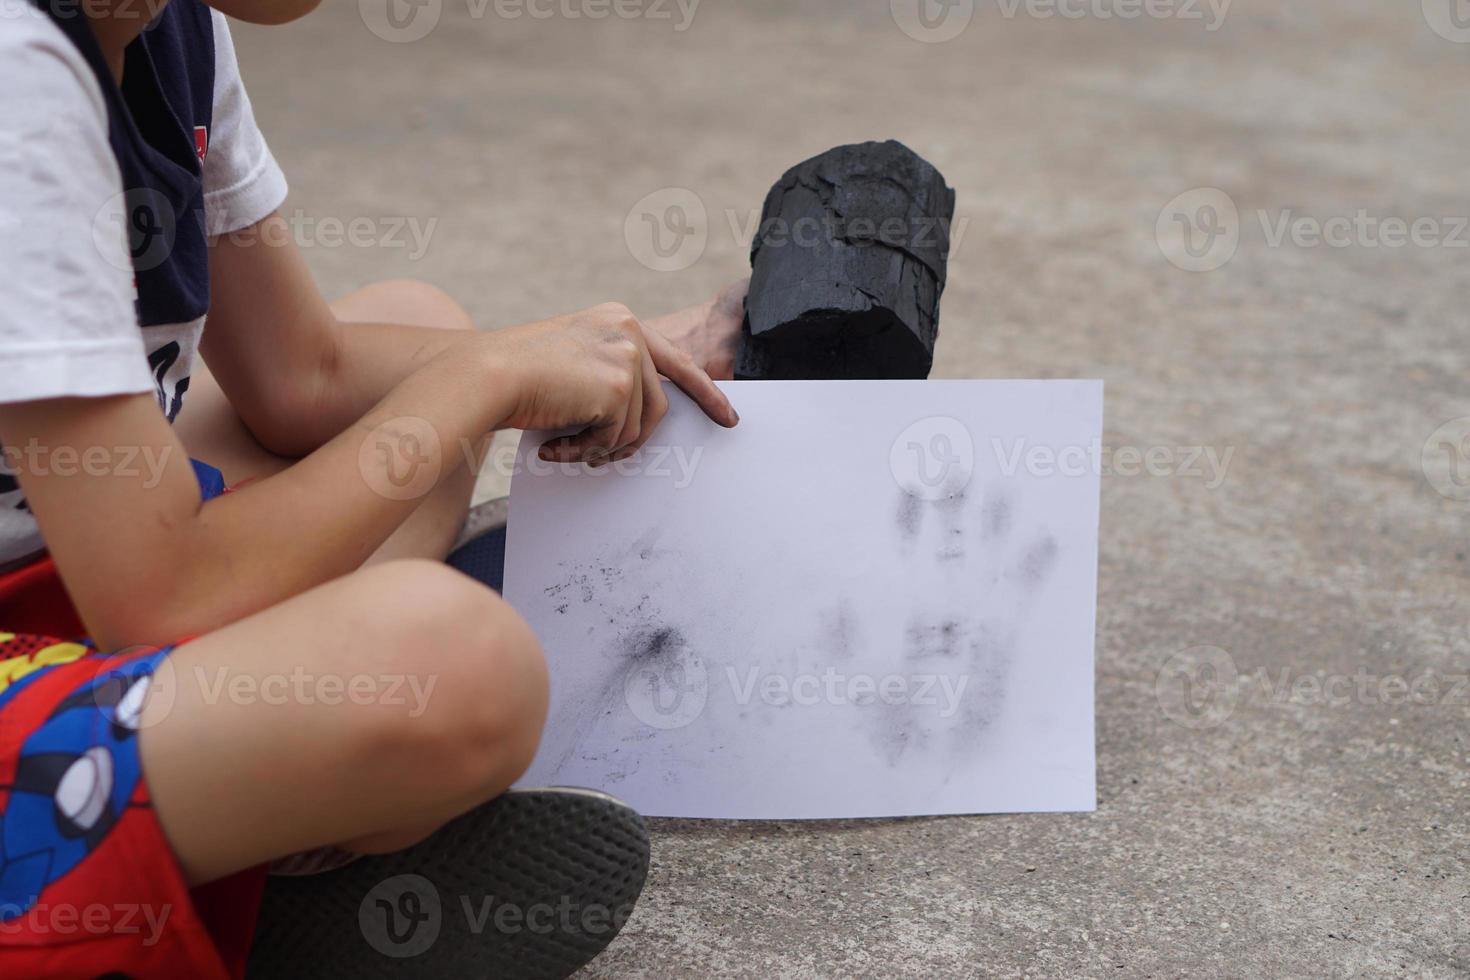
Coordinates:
x,y
596,442
679,368
564,449
655,407
633,421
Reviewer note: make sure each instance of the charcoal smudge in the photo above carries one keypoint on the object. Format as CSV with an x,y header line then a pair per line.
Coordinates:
x,y
995,517
1036,563
839,630
651,644
927,640
909,517
951,509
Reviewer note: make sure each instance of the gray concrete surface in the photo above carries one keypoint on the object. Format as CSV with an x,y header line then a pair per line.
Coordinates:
x,y
1304,824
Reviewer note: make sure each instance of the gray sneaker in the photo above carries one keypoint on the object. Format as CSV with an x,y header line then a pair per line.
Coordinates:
x,y
530,886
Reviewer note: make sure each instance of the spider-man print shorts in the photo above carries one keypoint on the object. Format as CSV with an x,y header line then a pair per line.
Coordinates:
x,y
89,885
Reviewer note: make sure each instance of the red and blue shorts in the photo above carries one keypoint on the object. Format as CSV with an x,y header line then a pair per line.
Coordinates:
x,y
89,885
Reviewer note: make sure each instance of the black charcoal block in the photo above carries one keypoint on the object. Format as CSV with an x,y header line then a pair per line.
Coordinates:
x,y
848,264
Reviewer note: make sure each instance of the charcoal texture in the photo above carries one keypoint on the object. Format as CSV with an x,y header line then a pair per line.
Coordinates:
x,y
847,267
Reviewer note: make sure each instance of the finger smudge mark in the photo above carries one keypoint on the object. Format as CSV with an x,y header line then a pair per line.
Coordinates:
x,y
909,519
995,517
984,699
1036,562
951,510
926,640
838,631
643,548
896,728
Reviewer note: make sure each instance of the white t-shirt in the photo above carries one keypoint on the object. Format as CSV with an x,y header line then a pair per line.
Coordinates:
x,y
68,326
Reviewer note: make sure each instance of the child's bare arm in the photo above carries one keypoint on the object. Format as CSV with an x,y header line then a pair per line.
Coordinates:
x,y
293,373
146,563
298,377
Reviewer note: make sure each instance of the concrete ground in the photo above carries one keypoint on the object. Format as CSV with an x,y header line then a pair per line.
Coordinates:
x,y
1308,812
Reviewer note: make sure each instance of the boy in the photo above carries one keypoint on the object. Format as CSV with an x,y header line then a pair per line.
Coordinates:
x,y
137,196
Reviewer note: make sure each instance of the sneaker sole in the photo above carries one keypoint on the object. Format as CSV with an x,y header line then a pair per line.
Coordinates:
x,y
530,886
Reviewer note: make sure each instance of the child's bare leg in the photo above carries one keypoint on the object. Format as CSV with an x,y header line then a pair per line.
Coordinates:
x,y
247,761
214,433
431,531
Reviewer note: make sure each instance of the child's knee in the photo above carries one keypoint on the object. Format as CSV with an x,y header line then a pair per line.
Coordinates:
x,y
416,302
437,308
477,667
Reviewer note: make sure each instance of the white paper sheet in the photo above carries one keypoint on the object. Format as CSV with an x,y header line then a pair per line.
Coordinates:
x,y
869,599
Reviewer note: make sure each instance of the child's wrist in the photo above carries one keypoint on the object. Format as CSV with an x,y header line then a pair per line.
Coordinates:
x,y
501,379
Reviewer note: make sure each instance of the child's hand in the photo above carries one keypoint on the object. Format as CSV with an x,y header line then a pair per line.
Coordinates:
x,y
709,332
597,369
